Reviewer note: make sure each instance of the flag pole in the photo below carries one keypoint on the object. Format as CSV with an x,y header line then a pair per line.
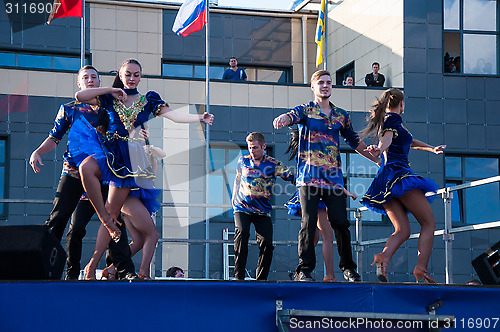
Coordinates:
x,y
207,147
82,46
326,36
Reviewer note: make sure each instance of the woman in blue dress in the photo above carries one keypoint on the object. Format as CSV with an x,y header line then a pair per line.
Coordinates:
x,y
396,190
119,159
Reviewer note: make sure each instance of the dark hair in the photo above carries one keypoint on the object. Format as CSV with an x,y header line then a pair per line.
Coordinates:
x,y
256,136
293,145
172,271
233,58
117,83
376,63
390,99
316,75
86,67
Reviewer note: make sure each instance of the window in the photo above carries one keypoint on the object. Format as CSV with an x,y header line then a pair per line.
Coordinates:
x,y
56,62
255,74
342,73
478,204
3,175
358,176
223,161
470,36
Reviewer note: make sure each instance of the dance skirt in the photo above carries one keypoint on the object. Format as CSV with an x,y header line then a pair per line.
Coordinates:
x,y
393,180
293,205
122,163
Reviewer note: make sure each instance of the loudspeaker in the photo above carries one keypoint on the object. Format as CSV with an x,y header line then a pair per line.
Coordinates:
x,y
487,265
30,253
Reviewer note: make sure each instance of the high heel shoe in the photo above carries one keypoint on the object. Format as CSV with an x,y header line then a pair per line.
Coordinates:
x,y
382,265
109,273
89,273
113,230
423,275
144,276
328,279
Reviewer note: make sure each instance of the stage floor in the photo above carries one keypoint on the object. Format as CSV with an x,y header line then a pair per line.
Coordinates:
x,y
210,305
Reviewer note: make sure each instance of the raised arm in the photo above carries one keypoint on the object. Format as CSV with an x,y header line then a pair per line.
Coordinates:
x,y
89,95
281,121
48,145
362,149
383,144
419,145
183,117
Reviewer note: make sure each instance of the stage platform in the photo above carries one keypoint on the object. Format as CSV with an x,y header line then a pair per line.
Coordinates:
x,y
215,306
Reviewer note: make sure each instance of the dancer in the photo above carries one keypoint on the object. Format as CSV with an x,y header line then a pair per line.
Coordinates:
x,y
109,157
396,190
70,189
323,226
255,177
319,173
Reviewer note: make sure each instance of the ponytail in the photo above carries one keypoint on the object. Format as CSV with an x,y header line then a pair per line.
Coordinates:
x,y
390,99
293,146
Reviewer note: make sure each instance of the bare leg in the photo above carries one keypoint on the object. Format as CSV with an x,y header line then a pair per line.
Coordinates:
x,y
137,238
326,231
399,219
418,205
142,221
101,244
90,173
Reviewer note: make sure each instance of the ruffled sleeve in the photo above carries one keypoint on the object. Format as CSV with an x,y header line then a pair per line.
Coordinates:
x,y
392,122
155,103
61,125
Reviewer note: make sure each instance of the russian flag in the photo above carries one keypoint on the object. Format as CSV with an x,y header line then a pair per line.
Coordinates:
x,y
191,17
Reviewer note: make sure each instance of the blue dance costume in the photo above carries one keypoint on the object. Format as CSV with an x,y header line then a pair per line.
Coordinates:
x,y
395,176
294,208
122,159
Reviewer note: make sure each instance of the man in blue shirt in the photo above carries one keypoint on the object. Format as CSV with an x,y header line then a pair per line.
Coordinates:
x,y
255,177
319,172
234,73
70,188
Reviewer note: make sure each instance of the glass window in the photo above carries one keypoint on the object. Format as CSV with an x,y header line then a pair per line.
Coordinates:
x,y
477,204
3,168
65,63
176,70
34,61
451,14
453,166
480,15
215,72
470,37
358,177
217,159
480,53
7,59
481,167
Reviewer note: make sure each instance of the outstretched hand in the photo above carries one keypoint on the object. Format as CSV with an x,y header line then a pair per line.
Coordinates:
x,y
352,195
374,150
208,118
281,121
119,94
34,159
439,149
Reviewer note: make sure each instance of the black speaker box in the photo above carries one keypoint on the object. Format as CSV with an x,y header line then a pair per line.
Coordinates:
x,y
30,253
487,265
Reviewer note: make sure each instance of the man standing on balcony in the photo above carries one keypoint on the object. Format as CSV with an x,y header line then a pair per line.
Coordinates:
x,y
234,73
319,173
255,177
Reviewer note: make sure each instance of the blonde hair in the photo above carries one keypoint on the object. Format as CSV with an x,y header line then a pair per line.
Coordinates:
x,y
390,99
318,74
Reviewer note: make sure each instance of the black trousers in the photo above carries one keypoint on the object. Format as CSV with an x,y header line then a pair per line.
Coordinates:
x,y
336,205
264,233
67,198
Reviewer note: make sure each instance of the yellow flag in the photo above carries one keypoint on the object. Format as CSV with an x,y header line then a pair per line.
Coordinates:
x,y
320,32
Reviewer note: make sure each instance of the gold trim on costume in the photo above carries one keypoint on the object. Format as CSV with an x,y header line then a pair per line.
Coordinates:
x,y
128,115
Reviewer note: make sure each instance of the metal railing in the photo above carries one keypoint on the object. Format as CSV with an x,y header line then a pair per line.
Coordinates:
x,y
359,243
